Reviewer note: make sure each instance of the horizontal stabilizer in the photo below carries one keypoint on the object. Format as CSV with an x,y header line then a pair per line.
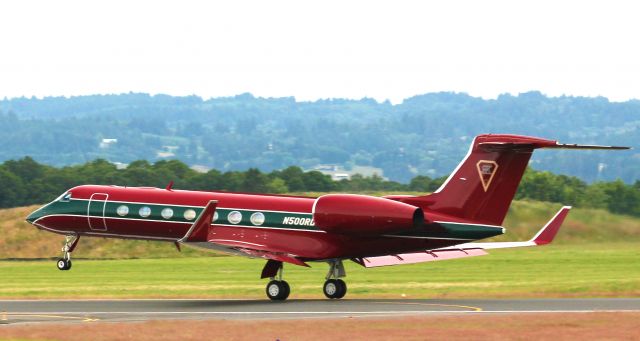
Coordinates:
x,y
200,228
586,146
497,146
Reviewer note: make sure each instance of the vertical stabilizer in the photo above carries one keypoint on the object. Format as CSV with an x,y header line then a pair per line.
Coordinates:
x,y
484,183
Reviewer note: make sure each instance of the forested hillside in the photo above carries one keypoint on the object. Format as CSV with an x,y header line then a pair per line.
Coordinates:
x,y
424,135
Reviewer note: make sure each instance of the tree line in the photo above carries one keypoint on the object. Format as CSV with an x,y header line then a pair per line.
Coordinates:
x,y
26,182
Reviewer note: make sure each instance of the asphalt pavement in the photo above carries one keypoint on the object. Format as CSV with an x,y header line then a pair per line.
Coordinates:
x,y
36,311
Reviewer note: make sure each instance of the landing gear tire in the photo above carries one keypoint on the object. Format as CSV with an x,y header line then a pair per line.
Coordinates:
x,y
334,288
343,288
64,264
71,241
278,290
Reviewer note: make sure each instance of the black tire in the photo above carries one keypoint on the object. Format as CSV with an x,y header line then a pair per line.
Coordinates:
x,y
331,288
68,264
62,264
278,290
342,289
287,290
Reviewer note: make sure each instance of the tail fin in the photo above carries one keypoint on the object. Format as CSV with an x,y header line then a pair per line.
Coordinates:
x,y
484,183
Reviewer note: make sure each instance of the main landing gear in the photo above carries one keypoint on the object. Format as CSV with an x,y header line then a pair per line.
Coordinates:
x,y
278,289
334,287
70,244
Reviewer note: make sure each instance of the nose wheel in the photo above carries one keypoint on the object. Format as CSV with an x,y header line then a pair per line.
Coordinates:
x,y
64,264
70,244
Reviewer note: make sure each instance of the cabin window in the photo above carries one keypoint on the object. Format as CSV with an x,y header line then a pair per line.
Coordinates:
x,y
166,213
234,217
144,211
122,210
189,214
257,218
215,216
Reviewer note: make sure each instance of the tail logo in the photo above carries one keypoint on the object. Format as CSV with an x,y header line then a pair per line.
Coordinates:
x,y
486,171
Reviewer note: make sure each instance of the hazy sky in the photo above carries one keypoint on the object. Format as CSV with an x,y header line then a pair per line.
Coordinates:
x,y
319,49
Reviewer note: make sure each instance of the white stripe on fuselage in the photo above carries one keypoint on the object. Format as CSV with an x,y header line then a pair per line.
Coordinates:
x,y
192,206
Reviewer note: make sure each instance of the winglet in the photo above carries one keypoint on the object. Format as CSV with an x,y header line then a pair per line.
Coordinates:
x,y
543,237
549,231
200,228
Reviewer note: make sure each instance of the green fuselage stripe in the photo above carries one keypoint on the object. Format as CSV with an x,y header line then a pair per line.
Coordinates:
x,y
272,219
290,220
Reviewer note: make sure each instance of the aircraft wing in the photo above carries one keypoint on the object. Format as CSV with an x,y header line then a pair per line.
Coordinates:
x,y
197,236
544,236
276,256
200,229
419,257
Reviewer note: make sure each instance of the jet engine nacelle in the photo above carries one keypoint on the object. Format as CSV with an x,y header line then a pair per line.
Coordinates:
x,y
365,215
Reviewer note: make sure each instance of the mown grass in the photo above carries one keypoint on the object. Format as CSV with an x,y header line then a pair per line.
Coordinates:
x,y
588,270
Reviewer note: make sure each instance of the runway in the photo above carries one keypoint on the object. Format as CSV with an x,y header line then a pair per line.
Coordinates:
x,y
35,311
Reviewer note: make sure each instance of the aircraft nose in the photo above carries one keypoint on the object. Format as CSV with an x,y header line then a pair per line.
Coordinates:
x,y
35,215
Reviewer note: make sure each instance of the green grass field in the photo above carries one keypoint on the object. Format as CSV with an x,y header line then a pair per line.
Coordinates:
x,y
579,270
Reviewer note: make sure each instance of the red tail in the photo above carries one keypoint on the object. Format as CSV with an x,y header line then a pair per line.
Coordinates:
x,y
484,183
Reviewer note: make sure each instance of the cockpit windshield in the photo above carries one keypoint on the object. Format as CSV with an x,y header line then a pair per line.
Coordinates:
x,y
64,197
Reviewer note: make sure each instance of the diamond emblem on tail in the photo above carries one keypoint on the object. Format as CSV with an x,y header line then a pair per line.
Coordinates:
x,y
486,171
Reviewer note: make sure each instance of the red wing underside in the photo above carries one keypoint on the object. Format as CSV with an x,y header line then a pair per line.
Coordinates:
x,y
280,257
419,257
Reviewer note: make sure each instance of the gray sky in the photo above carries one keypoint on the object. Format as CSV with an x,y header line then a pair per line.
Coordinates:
x,y
319,49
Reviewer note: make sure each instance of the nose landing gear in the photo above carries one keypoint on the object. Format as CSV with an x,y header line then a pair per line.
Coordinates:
x,y
64,264
70,244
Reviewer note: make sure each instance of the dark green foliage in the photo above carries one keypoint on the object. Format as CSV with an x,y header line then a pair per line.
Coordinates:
x,y
616,196
25,182
12,189
426,134
422,183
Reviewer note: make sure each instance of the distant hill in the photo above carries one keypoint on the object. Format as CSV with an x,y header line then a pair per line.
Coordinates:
x,y
426,134
21,240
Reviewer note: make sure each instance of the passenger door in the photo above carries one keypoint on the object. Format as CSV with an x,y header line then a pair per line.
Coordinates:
x,y
96,211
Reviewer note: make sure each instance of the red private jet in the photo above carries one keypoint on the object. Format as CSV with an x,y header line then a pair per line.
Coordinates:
x,y
371,231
